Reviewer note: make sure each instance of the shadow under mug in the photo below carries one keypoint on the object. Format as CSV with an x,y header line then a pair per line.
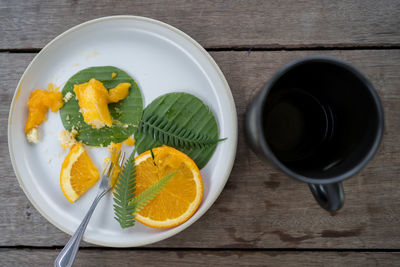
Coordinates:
x,y
319,120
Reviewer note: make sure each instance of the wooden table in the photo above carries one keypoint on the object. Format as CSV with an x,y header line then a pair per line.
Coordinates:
x,y
262,217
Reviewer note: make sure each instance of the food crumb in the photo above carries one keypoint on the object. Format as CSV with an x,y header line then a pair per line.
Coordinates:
x,y
32,136
113,75
92,54
67,138
51,87
130,141
113,146
67,97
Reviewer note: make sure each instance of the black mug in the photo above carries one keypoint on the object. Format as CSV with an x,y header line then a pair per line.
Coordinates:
x,y
320,121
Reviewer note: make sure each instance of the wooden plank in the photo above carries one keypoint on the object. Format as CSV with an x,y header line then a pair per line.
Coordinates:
x,y
32,24
98,257
259,207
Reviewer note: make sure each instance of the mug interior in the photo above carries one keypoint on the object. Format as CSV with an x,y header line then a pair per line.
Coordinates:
x,y
321,119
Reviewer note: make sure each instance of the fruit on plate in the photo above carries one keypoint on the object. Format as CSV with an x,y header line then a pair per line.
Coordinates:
x,y
125,114
180,198
130,141
114,158
115,152
67,138
78,173
40,101
93,99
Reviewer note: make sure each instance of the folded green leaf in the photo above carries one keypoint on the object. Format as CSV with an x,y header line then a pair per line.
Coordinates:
x,y
126,113
182,121
171,134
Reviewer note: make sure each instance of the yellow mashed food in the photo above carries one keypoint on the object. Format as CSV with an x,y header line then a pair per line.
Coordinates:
x,y
93,100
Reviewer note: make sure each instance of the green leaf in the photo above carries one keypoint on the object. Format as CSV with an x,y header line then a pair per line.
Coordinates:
x,y
173,135
182,121
124,191
126,204
126,113
140,201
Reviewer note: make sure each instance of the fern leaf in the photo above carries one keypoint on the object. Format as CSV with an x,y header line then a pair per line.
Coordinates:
x,y
125,188
182,121
171,134
140,201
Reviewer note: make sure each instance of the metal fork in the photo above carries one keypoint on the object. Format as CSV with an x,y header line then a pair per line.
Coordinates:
x,y
68,254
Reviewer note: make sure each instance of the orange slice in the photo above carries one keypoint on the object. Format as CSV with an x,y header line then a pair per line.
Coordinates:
x,y
180,198
78,173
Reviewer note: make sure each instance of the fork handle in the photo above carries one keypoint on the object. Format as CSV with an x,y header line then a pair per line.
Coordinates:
x,y
68,253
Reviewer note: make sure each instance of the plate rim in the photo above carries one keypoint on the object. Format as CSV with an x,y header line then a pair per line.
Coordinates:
x,y
197,215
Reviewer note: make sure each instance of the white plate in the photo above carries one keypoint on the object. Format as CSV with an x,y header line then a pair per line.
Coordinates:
x,y
161,59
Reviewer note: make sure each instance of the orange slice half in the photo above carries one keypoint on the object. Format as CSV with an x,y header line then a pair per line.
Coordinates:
x,y
78,173
180,198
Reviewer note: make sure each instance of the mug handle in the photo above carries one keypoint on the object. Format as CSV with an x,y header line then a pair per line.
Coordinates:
x,y
328,196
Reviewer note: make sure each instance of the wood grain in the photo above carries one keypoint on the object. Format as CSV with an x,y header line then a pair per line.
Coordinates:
x,y
222,23
259,207
98,257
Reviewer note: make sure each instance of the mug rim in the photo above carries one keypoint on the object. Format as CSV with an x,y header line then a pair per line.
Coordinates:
x,y
351,69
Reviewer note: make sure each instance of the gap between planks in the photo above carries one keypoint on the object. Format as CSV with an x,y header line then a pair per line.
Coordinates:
x,y
271,47
327,250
